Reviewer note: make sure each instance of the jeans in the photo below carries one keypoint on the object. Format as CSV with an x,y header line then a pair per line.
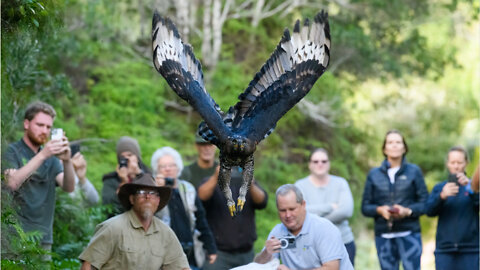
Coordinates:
x,y
407,249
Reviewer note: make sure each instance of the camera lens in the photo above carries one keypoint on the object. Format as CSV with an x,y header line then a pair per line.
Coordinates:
x,y
283,243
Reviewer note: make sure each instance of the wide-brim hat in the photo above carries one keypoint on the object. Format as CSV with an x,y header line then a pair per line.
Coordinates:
x,y
144,180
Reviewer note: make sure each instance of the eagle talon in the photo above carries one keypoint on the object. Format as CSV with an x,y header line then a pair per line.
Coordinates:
x,y
233,213
240,205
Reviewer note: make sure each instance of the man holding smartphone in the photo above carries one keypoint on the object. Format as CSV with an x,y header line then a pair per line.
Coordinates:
x,y
34,168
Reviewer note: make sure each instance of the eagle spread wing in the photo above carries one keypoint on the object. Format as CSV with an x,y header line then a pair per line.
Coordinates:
x,y
287,76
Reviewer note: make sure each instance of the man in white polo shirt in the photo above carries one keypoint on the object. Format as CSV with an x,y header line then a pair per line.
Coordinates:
x,y
303,240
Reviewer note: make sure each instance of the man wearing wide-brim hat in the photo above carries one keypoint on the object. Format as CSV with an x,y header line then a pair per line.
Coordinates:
x,y
136,239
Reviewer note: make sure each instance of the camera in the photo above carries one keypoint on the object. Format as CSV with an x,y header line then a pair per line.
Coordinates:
x,y
56,134
452,178
169,181
287,242
123,162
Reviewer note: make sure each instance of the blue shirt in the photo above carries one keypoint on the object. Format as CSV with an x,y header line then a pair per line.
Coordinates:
x,y
318,242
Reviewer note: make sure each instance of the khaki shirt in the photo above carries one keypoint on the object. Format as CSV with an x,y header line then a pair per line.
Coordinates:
x,y
121,243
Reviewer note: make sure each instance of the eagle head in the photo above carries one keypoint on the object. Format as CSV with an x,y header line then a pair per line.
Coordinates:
x,y
239,146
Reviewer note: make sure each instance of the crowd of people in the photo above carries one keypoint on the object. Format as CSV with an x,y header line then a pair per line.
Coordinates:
x,y
174,217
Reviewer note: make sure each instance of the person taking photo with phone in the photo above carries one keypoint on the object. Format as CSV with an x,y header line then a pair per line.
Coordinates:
x,y
129,166
455,203
34,166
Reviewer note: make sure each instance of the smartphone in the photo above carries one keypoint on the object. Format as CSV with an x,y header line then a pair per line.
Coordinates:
x,y
56,134
393,210
452,178
74,148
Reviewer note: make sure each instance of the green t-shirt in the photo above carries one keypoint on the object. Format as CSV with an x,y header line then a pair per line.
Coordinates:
x,y
194,174
35,198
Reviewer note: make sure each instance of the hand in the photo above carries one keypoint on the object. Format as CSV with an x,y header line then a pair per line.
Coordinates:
x,y
52,148
65,152
133,168
462,179
80,166
8,172
282,267
122,174
212,258
448,190
272,245
383,211
160,180
402,211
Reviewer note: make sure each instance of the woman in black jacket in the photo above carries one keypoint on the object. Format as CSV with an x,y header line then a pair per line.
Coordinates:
x,y
394,196
455,203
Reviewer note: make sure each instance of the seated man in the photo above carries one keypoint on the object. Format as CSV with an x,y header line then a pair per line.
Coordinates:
x,y
136,239
315,243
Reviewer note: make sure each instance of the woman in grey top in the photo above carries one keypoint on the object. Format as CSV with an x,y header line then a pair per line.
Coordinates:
x,y
328,196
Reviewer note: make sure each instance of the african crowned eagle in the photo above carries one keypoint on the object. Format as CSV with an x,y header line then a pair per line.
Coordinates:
x,y
287,76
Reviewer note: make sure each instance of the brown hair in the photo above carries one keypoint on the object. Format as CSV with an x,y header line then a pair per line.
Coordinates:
x,y
457,149
36,107
403,140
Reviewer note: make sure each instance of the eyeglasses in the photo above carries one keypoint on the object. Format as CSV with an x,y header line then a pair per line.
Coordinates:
x,y
144,193
318,161
167,166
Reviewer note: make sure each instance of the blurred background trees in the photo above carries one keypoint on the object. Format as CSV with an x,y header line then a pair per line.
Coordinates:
x,y
410,65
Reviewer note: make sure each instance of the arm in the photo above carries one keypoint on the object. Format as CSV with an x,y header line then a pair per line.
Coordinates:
x,y
87,266
272,245
80,167
17,176
476,180
345,205
201,225
66,180
205,190
258,195
434,203
91,194
418,208
369,206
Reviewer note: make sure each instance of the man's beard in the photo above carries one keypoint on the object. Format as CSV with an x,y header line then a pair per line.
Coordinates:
x,y
37,141
146,213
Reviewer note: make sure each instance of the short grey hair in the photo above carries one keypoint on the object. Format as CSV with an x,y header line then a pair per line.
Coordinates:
x,y
167,151
287,188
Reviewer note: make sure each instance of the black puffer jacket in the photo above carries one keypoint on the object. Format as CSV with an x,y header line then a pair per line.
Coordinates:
x,y
408,190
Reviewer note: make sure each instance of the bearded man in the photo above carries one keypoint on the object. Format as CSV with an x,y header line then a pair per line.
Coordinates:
x,y
136,239
33,170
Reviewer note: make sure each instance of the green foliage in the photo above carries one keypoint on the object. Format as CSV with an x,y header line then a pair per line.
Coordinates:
x,y
74,224
19,250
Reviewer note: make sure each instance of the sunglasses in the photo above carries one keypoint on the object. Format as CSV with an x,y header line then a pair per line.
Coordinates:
x,y
318,161
144,193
